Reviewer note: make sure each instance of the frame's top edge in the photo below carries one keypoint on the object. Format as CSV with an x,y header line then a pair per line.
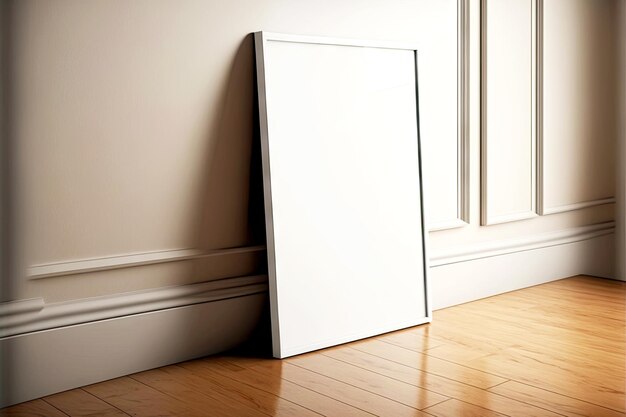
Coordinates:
x,y
323,40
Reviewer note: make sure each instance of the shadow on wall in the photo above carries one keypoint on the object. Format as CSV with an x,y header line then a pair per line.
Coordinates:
x,y
229,207
6,150
231,211
231,201
7,224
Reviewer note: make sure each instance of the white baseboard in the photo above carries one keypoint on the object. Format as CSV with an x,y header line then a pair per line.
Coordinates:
x,y
519,244
479,277
35,315
177,324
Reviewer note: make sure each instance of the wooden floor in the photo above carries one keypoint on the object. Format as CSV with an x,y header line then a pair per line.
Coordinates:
x,y
556,349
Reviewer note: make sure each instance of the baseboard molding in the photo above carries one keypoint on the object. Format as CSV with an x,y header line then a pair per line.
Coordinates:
x,y
34,315
41,363
19,307
479,276
507,246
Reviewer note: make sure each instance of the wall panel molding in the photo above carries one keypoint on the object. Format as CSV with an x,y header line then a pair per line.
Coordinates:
x,y
448,224
575,206
499,128
540,160
463,147
35,315
464,113
129,260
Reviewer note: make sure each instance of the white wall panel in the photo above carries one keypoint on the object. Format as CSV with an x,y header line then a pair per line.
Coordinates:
x,y
508,109
578,98
444,121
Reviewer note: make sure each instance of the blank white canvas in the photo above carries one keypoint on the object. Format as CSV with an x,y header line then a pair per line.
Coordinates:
x,y
339,130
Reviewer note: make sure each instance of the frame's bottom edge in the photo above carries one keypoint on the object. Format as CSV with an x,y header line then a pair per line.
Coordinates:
x,y
284,352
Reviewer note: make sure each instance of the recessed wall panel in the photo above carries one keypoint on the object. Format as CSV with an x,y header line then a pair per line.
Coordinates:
x,y
508,110
578,97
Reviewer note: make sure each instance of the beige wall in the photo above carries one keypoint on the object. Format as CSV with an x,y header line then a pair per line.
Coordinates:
x,y
134,131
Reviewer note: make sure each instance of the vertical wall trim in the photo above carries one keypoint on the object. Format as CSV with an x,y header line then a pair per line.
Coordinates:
x,y
485,217
533,104
540,164
463,110
483,112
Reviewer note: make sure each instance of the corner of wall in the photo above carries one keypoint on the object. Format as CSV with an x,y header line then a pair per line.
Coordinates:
x,y
620,212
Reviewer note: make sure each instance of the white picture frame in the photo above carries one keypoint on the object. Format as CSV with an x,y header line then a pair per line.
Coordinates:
x,y
346,243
